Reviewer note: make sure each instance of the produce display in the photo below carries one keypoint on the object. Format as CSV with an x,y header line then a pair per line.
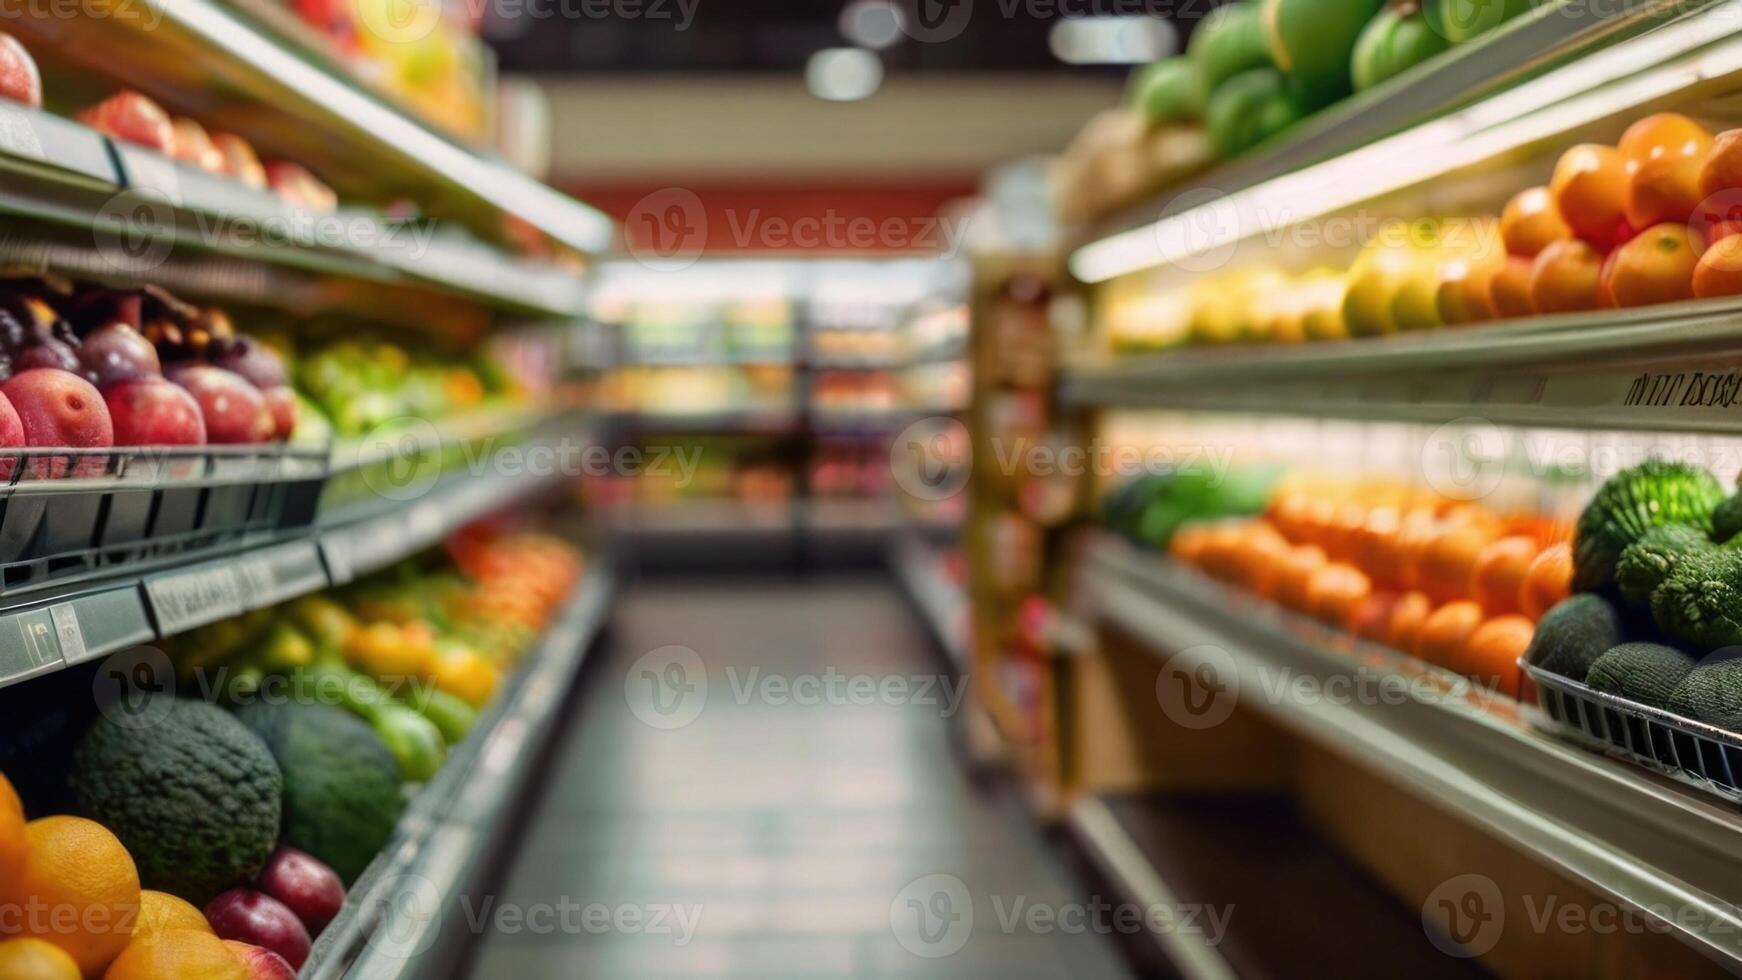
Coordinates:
x,y
219,841
1251,70
1650,220
1453,583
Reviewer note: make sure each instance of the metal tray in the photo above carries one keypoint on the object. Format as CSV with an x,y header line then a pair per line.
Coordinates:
x,y
1689,751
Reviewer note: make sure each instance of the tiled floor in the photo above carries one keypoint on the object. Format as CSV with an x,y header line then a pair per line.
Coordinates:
x,y
801,813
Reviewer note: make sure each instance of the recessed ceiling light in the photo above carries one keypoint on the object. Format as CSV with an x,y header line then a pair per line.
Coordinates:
x,y
843,74
874,24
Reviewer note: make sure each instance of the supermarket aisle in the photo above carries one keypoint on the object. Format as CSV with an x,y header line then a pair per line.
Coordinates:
x,y
772,813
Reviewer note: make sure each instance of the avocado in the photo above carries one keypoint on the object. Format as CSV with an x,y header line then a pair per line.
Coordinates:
x,y
1392,43
1571,636
1461,20
1633,501
194,795
1700,603
1712,693
1312,41
1167,91
1648,563
1643,672
341,784
1228,41
1250,108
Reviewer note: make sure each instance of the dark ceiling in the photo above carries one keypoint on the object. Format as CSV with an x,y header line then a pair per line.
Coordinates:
x,y
779,35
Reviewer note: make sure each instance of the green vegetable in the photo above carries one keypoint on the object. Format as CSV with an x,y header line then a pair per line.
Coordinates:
x,y
1228,41
1312,41
1727,519
1571,636
414,740
194,795
1634,501
341,785
1460,20
1167,91
1250,108
1700,604
452,716
1643,672
1647,563
1712,693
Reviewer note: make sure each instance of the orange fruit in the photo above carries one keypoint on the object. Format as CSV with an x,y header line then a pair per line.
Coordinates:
x,y
1589,188
1188,543
1509,288
1462,295
184,954
1723,167
1548,580
1371,619
160,913
78,889
1656,266
1446,568
1530,221
1442,636
1294,579
1500,572
1664,188
29,958
467,675
13,846
1563,278
1719,270
1335,591
1490,655
1407,616
1664,134
1260,555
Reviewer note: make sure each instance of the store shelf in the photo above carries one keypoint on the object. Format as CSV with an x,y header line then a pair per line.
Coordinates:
x,y
1660,368
1238,867
773,422
942,604
1641,839
1558,68
63,625
702,518
203,58
404,914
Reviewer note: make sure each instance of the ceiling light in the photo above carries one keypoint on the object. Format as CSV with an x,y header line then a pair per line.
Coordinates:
x,y
1112,40
843,74
874,24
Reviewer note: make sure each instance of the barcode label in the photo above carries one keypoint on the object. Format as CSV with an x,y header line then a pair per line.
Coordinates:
x,y
184,600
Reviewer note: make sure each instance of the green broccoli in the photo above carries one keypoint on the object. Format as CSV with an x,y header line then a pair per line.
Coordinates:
x,y
1727,519
1652,494
1646,563
1700,603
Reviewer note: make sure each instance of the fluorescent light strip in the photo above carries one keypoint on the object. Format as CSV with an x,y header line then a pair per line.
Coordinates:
x,y
1507,120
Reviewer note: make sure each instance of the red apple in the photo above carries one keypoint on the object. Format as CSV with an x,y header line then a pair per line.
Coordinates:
x,y
262,964
192,145
234,410
251,917
11,436
306,886
295,184
132,117
19,80
240,160
152,411
59,409
281,402
253,360
115,352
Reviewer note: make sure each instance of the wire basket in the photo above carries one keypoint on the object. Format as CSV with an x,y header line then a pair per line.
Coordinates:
x,y
1692,752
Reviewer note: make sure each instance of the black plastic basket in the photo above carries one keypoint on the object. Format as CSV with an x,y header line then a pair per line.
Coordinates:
x,y
1693,752
66,513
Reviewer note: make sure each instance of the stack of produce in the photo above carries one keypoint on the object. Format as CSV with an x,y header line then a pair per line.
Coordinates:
x,y
273,779
1452,583
1658,565
1150,508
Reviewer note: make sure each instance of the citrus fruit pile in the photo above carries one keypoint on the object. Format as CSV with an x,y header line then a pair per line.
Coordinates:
x,y
1452,583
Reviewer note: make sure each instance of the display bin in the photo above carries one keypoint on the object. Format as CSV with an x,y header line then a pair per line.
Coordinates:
x,y
1692,752
69,513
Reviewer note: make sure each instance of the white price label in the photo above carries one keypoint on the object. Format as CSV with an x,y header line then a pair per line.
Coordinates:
x,y
185,600
66,627
17,136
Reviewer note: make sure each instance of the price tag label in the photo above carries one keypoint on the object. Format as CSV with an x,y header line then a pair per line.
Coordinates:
x,y
257,581
337,552
184,600
17,136
152,172
66,628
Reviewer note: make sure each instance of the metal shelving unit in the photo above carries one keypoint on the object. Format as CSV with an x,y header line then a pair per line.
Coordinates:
x,y
1646,841
403,917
